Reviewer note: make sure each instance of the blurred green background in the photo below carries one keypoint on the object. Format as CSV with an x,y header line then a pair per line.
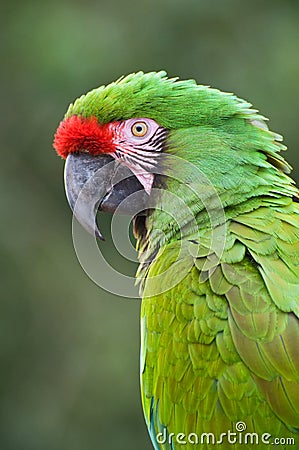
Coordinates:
x,y
70,351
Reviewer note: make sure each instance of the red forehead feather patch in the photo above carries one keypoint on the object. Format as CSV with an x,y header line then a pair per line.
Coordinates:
x,y
76,134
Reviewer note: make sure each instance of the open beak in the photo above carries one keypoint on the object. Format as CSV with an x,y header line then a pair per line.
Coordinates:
x,y
99,183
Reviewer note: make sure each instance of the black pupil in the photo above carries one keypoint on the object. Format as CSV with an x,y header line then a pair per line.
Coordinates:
x,y
139,128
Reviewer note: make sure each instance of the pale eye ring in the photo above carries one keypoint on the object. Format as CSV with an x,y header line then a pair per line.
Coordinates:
x,y
139,129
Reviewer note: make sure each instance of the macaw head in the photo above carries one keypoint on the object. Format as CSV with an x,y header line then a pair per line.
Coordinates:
x,y
114,139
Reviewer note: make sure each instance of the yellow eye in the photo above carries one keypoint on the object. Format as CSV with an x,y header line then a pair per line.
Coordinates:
x,y
139,129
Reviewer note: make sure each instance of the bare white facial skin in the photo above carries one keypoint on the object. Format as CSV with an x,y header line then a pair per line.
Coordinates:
x,y
138,143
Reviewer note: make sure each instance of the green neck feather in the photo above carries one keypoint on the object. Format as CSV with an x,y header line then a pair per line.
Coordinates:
x,y
223,171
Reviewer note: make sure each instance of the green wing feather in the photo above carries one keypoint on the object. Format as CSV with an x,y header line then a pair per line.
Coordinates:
x,y
221,346
267,341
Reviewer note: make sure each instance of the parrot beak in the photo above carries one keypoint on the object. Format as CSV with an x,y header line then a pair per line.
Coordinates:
x,y
99,183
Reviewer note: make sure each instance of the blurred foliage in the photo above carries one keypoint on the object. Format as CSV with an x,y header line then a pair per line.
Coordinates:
x,y
69,351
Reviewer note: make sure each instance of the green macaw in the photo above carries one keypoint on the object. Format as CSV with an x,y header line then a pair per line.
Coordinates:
x,y
217,229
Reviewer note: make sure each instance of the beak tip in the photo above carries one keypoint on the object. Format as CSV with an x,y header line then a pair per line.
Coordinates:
x,y
99,235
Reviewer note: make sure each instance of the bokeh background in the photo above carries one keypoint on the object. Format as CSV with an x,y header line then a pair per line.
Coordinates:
x,y
70,351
